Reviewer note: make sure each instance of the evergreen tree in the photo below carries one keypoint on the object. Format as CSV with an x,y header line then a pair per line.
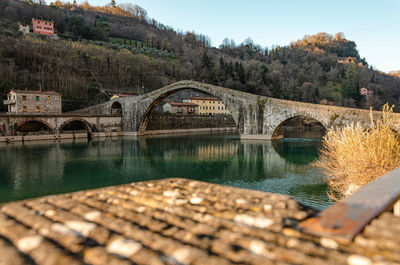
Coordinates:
x,y
221,62
241,73
206,61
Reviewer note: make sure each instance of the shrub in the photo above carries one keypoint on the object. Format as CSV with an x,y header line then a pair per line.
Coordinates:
x,y
355,155
8,33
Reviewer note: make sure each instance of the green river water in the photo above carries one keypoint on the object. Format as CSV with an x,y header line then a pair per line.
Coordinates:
x,y
37,169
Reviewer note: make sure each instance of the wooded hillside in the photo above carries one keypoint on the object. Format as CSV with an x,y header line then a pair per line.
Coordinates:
x,y
113,50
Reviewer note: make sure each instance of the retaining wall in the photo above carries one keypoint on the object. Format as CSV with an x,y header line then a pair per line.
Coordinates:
x,y
173,122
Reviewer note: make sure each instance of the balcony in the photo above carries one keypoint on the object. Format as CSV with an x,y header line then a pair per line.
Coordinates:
x,y
9,101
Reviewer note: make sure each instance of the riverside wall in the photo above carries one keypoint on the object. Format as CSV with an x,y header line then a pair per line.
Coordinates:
x,y
160,122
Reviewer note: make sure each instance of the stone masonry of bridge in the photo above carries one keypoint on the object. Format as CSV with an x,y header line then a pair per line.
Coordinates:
x,y
256,117
9,123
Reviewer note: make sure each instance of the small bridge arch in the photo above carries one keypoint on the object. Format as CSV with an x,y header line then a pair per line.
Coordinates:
x,y
33,125
2,131
77,124
302,123
116,108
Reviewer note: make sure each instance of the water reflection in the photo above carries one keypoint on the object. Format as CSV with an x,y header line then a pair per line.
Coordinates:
x,y
298,151
283,167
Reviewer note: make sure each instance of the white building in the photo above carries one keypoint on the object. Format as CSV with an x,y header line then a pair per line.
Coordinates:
x,y
23,28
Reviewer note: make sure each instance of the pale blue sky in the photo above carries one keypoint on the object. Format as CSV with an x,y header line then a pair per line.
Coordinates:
x,y
373,24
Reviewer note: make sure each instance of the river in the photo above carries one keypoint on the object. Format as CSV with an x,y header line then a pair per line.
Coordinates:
x,y
37,169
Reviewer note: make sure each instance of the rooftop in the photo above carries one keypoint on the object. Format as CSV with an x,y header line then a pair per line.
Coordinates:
x,y
179,221
204,98
40,19
182,104
35,92
125,95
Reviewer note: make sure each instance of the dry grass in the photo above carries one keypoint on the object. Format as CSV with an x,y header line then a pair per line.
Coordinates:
x,y
356,154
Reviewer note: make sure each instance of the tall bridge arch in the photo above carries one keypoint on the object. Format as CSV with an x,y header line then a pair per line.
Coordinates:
x,y
137,110
256,117
229,104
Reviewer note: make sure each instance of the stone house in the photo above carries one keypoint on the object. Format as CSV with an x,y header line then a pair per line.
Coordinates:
x,y
181,108
33,101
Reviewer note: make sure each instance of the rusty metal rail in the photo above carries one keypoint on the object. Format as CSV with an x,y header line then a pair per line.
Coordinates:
x,y
345,219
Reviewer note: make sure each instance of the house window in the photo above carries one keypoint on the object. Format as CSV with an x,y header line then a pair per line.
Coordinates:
x,y
37,108
23,108
23,97
37,98
48,98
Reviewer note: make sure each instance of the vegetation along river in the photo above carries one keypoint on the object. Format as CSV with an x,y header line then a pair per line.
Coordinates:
x,y
37,169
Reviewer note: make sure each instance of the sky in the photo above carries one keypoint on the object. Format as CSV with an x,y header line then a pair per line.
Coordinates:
x,y
374,25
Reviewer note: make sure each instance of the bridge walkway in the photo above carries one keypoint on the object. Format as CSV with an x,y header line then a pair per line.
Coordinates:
x,y
179,221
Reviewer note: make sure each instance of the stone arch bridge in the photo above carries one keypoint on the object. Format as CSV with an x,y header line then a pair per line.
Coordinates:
x,y
256,117
12,124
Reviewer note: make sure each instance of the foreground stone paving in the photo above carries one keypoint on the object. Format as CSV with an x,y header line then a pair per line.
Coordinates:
x,y
178,221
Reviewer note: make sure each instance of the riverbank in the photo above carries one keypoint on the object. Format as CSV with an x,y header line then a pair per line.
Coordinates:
x,y
58,137
65,136
196,130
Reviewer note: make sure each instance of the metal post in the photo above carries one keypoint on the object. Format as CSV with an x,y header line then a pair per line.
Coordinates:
x,y
396,209
345,219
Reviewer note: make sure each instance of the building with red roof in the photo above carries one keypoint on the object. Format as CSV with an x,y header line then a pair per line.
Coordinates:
x,y
181,108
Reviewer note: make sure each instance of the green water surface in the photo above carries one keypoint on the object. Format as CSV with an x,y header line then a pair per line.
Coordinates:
x,y
37,169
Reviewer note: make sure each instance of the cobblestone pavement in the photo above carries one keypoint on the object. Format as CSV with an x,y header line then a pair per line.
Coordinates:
x,y
178,221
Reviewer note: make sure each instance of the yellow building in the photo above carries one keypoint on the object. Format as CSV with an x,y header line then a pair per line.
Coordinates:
x,y
208,105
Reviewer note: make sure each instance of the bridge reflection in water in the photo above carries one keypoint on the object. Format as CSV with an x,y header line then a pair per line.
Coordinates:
x,y
282,167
